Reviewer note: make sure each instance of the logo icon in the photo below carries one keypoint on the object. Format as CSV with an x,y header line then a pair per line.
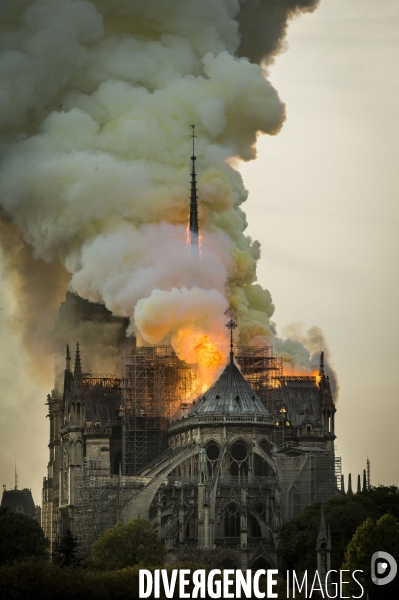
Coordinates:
x,y
383,568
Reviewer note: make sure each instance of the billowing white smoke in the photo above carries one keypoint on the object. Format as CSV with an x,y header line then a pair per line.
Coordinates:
x,y
97,98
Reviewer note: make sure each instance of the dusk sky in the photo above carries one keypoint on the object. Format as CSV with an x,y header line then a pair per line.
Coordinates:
x,y
323,203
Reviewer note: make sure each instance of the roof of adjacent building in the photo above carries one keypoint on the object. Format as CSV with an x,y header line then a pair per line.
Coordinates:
x,y
19,501
230,394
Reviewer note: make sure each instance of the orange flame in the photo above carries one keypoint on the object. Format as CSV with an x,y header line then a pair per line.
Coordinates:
x,y
291,370
202,349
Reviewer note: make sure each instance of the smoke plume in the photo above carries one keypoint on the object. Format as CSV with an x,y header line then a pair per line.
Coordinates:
x,y
97,98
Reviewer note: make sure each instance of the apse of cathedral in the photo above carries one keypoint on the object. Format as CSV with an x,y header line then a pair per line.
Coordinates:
x,y
224,469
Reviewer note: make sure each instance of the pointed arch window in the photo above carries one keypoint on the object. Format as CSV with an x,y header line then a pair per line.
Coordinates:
x,y
232,520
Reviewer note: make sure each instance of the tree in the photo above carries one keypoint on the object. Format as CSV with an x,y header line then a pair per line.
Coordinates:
x,y
369,538
20,537
124,545
211,558
344,514
65,551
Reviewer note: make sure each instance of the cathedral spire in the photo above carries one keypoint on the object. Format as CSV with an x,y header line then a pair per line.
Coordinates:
x,y
194,229
78,366
231,325
321,368
68,359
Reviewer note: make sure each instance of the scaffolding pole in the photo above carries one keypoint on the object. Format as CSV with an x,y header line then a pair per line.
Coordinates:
x,y
305,475
155,382
96,506
338,472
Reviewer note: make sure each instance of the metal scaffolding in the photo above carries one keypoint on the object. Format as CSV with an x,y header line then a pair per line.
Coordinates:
x,y
101,395
154,383
97,504
338,472
263,371
305,475
49,514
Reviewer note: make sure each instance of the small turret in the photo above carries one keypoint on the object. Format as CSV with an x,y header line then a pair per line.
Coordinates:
x,y
328,407
350,483
364,489
68,376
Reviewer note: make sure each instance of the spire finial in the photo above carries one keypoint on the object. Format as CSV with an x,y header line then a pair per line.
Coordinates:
x,y
231,325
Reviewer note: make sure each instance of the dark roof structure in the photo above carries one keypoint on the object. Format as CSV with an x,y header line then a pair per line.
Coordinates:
x,y
19,501
231,394
301,398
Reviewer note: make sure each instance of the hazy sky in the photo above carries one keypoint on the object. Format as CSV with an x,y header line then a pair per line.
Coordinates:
x,y
323,204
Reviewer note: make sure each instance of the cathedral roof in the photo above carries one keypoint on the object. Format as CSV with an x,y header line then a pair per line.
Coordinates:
x,y
19,501
301,398
230,394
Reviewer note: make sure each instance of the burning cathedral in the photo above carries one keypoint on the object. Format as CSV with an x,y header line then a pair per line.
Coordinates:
x,y
217,461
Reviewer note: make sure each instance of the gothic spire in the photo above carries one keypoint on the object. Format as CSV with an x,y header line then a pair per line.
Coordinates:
x,y
321,368
68,359
78,366
323,549
194,229
322,529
